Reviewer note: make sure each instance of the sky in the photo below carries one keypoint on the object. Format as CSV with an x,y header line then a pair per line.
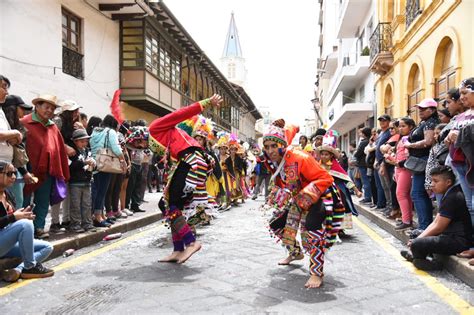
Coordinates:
x,y
279,43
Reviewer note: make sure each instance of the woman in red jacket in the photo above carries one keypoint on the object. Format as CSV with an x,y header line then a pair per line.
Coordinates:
x,y
189,173
303,199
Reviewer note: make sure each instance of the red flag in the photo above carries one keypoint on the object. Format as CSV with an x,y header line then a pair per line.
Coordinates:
x,y
115,107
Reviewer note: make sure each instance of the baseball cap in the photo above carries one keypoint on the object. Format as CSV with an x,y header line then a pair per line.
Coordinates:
x,y
69,105
15,100
384,117
427,102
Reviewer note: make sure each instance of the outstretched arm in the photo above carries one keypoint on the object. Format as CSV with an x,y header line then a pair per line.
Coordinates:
x,y
172,119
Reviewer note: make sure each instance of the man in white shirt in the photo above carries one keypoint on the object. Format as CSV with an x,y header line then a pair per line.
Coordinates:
x,y
8,137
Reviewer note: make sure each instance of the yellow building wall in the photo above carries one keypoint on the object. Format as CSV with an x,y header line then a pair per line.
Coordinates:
x,y
418,44
133,113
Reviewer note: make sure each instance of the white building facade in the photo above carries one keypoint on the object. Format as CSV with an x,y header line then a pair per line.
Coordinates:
x,y
345,83
61,47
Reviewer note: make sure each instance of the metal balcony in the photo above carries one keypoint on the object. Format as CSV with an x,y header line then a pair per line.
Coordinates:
x,y
72,63
381,58
412,10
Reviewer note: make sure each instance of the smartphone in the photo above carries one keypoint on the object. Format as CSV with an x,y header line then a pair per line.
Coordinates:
x,y
32,206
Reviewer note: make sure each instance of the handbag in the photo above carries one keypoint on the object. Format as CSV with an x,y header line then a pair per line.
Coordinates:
x,y
415,164
20,158
107,161
58,191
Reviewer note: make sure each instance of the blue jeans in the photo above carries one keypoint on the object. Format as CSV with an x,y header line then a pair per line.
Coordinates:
x,y
365,184
460,172
381,201
421,200
17,241
41,199
99,190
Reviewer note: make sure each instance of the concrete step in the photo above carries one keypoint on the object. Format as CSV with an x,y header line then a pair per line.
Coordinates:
x,y
63,242
459,267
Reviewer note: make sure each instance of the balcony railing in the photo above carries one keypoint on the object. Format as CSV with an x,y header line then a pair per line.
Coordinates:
x,y
72,63
381,40
412,10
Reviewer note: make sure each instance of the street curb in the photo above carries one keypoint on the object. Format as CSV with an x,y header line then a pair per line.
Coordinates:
x,y
82,240
459,267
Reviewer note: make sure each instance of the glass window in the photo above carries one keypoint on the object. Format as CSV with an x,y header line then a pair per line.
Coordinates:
x,y
133,55
72,58
71,31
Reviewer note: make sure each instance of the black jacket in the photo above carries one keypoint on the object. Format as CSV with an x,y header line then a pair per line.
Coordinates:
x,y
465,141
359,153
6,219
76,168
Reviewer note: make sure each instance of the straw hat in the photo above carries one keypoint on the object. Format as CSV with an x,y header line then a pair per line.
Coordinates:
x,y
51,99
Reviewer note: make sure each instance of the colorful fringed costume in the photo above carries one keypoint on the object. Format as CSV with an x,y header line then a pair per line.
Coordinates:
x,y
305,199
342,180
189,176
233,173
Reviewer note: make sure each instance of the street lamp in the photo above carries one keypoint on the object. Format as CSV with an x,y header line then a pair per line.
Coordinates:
x,y
317,107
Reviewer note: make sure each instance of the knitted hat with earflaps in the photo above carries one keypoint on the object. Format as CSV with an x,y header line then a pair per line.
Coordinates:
x,y
276,133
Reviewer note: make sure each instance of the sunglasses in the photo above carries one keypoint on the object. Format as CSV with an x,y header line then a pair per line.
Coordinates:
x,y
10,174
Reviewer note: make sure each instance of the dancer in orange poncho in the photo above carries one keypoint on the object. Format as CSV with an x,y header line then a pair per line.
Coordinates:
x,y
303,199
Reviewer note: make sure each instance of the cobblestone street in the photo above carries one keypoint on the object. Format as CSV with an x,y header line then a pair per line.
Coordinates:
x,y
235,272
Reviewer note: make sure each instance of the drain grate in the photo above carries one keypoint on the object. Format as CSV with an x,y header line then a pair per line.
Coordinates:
x,y
93,299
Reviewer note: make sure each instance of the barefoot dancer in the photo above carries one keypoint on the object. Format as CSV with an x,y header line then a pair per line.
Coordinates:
x,y
303,199
165,135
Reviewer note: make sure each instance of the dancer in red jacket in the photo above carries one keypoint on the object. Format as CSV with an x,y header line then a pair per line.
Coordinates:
x,y
165,136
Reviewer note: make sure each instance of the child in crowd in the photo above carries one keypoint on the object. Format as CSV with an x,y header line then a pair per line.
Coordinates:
x,y
433,159
81,168
450,232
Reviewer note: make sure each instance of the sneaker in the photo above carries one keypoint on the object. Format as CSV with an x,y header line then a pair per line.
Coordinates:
x,y
120,215
407,255
89,227
76,228
254,197
102,224
41,234
365,202
65,224
427,265
9,275
136,209
127,212
402,226
56,228
38,271
111,221
415,233
373,206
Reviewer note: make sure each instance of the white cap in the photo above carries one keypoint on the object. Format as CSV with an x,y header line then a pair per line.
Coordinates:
x,y
69,105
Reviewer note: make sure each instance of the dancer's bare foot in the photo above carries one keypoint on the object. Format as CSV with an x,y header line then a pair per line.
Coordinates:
x,y
188,252
174,257
314,282
289,259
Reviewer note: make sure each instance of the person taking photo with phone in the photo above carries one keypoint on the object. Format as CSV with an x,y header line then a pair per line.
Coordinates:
x,y
16,234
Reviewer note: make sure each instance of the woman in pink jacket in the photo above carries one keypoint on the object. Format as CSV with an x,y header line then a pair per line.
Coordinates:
x,y
403,176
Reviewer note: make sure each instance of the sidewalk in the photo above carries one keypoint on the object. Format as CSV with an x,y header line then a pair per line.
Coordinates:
x,y
455,265
68,240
